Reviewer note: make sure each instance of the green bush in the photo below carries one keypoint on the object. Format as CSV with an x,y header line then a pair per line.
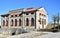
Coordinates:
x,y
49,30
55,30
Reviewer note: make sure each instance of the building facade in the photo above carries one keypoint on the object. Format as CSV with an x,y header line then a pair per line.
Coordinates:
x,y
36,18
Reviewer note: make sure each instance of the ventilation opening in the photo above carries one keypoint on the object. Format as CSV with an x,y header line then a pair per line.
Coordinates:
x,y
13,33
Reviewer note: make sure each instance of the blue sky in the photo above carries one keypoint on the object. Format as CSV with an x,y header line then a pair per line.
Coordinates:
x,y
51,6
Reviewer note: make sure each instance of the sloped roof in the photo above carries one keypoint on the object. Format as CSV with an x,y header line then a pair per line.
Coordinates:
x,y
28,10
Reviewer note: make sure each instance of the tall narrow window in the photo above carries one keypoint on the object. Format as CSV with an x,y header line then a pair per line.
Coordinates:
x,y
42,23
32,21
27,22
12,22
40,20
6,22
3,22
19,22
15,22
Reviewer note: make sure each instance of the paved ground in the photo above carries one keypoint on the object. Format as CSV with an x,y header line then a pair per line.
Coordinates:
x,y
50,35
28,35
3,36
37,35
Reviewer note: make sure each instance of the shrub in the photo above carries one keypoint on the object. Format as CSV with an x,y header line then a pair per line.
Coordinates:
x,y
55,30
49,30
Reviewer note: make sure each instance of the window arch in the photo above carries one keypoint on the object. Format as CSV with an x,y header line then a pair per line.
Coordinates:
x,y
3,22
32,21
15,22
19,22
27,22
32,12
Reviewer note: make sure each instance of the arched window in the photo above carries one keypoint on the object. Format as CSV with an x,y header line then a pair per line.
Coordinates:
x,y
3,22
15,22
6,22
42,23
32,21
27,22
19,22
12,22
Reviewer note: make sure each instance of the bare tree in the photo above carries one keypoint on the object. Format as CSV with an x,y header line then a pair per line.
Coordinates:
x,y
58,19
54,20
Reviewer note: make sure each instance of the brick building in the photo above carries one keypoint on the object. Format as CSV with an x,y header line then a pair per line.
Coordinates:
x,y
35,18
